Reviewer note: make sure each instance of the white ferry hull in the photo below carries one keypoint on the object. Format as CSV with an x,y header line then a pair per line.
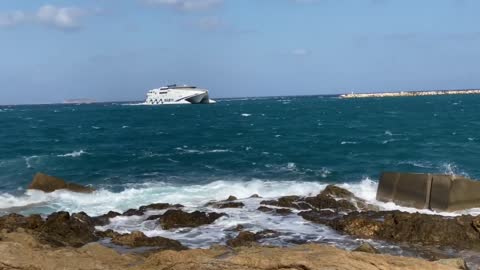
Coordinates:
x,y
178,95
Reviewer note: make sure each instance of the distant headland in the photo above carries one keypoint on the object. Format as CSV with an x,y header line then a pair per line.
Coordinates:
x,y
412,93
79,101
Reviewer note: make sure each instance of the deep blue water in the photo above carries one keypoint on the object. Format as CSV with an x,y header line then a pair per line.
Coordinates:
x,y
323,139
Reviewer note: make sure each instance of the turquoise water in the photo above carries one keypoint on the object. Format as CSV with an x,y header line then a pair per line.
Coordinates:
x,y
137,155
291,138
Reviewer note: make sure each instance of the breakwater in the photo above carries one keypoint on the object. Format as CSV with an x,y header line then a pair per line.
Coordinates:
x,y
412,93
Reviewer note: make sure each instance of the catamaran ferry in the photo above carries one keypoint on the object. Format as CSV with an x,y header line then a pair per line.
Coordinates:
x,y
173,94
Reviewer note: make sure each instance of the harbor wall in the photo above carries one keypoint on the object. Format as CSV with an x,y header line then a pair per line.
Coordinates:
x,y
429,191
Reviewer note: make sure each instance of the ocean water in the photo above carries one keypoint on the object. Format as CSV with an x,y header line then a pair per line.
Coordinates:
x,y
137,155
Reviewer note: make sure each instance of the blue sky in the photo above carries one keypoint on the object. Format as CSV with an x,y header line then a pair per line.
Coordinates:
x,y
118,49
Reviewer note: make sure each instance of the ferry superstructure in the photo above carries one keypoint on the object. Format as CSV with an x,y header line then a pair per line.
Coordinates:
x,y
173,94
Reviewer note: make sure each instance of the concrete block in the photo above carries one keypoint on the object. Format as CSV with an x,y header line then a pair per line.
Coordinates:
x,y
452,193
433,191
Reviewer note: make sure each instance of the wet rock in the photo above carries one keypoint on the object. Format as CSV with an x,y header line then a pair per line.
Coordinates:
x,y
159,206
173,219
48,183
278,211
288,201
366,248
400,227
12,222
245,238
231,198
323,201
221,205
457,263
337,192
61,229
139,239
255,196
105,219
133,212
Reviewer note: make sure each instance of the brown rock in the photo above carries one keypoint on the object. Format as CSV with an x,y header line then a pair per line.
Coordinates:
x,y
255,196
173,219
245,238
278,211
367,248
457,263
61,229
138,239
223,205
400,227
338,192
48,183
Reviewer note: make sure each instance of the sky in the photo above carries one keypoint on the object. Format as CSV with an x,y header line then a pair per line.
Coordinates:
x,y
116,50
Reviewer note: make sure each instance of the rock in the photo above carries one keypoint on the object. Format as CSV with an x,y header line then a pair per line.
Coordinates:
x,y
231,198
159,206
323,201
337,192
173,219
138,239
278,211
304,257
12,222
457,263
288,201
61,229
221,205
400,227
105,219
48,183
366,248
245,238
255,196
133,212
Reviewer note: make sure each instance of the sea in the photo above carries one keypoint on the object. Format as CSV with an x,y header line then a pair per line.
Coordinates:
x,y
191,154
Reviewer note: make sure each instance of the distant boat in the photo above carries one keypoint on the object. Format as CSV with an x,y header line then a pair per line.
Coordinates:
x,y
173,94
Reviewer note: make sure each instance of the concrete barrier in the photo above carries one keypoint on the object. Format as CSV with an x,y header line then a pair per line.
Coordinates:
x,y
429,191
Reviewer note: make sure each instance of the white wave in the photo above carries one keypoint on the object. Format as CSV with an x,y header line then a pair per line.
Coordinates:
x,y
246,114
74,154
95,127
27,161
103,200
388,133
348,142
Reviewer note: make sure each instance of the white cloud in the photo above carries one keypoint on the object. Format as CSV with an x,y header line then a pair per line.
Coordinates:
x,y
186,5
64,18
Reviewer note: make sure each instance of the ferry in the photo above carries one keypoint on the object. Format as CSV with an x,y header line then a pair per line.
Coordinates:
x,y
173,94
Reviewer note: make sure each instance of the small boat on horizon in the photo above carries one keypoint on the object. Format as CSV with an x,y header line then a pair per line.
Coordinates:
x,y
173,94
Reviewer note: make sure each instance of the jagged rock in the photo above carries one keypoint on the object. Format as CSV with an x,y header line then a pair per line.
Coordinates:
x,y
173,219
61,229
366,248
323,201
139,239
222,205
338,192
278,211
133,212
105,219
245,238
47,183
457,263
412,228
231,198
288,201
12,222
159,206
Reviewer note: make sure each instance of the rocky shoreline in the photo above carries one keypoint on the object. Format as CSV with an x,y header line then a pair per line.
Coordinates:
x,y
87,242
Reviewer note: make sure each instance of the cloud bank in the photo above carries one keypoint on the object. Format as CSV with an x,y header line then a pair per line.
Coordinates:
x,y
63,18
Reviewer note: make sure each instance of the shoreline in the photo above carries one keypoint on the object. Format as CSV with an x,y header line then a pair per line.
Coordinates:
x,y
333,208
411,93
